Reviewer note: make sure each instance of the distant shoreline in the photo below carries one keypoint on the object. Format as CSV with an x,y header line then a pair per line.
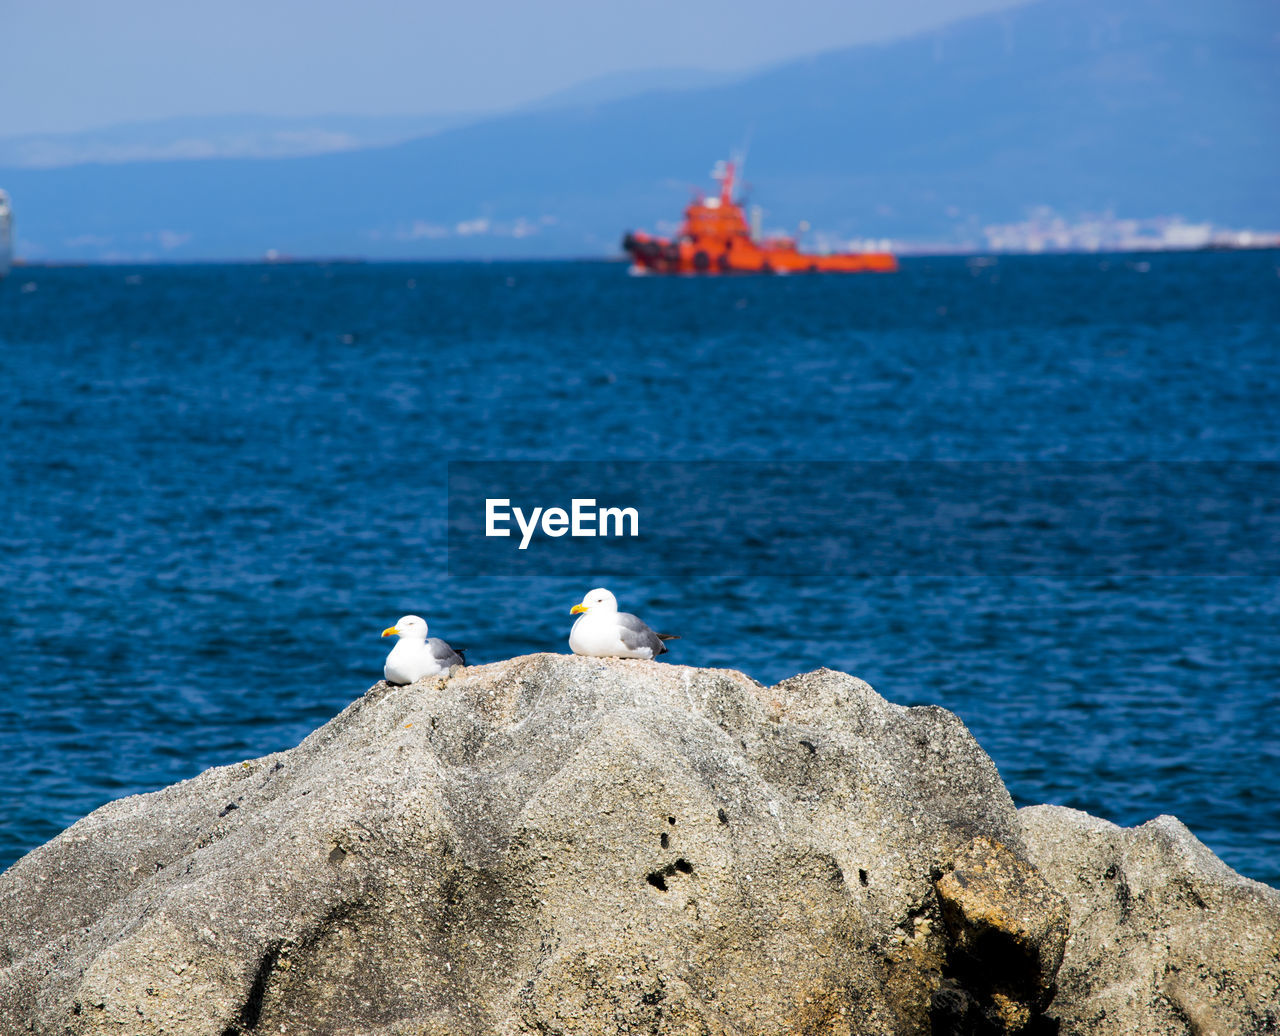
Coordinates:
x,y
34,264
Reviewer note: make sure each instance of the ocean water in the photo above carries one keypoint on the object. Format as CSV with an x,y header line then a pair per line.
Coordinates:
x,y
218,485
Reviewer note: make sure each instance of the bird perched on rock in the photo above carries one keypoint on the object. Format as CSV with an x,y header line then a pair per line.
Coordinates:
x,y
415,656
605,632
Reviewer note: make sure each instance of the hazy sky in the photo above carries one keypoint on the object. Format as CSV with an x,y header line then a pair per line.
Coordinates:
x,y
77,64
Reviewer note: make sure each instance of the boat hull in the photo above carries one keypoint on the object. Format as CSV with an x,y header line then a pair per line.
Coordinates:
x,y
742,256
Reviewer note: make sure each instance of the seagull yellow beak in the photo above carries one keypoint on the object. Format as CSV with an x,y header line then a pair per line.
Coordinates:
x,y
390,630
577,608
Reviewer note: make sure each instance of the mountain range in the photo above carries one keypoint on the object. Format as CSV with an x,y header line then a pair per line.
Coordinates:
x,y
1138,107
277,136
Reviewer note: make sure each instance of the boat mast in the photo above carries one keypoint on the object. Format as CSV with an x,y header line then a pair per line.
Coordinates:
x,y
726,184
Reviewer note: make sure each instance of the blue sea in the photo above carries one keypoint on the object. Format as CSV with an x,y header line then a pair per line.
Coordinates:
x,y
220,483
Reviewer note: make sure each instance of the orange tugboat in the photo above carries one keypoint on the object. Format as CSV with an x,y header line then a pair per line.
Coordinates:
x,y
715,239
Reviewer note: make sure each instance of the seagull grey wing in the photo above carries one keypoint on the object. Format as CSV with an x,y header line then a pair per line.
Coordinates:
x,y
635,634
443,654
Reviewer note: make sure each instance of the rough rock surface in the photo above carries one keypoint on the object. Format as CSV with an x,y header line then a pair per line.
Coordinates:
x,y
1165,938
1008,931
553,845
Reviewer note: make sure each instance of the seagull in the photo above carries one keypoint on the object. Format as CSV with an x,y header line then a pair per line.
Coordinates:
x,y
414,656
605,632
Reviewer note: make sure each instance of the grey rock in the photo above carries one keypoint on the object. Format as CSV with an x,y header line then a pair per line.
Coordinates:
x,y
1165,938
555,845
551,844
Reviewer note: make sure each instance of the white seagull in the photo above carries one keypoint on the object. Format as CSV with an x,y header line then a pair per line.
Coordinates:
x,y
414,656
605,632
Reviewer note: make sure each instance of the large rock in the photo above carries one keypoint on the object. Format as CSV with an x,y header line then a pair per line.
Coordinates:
x,y
556,845
1165,938
550,844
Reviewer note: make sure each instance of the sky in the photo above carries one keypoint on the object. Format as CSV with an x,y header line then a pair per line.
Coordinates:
x,y
72,65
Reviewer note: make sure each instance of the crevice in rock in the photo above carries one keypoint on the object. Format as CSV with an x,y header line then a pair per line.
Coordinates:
x,y
658,878
991,988
251,1010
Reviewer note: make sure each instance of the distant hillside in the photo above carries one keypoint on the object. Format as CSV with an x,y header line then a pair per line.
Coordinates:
x,y
1139,106
219,136
281,136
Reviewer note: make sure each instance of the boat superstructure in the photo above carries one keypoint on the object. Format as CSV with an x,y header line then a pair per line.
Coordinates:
x,y
715,238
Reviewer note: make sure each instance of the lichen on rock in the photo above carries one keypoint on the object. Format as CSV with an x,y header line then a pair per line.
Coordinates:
x,y
1007,931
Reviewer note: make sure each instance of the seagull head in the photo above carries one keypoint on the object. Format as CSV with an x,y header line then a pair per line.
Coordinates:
x,y
598,600
410,627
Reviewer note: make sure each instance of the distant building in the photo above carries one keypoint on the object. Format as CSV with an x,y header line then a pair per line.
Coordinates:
x,y
1046,231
